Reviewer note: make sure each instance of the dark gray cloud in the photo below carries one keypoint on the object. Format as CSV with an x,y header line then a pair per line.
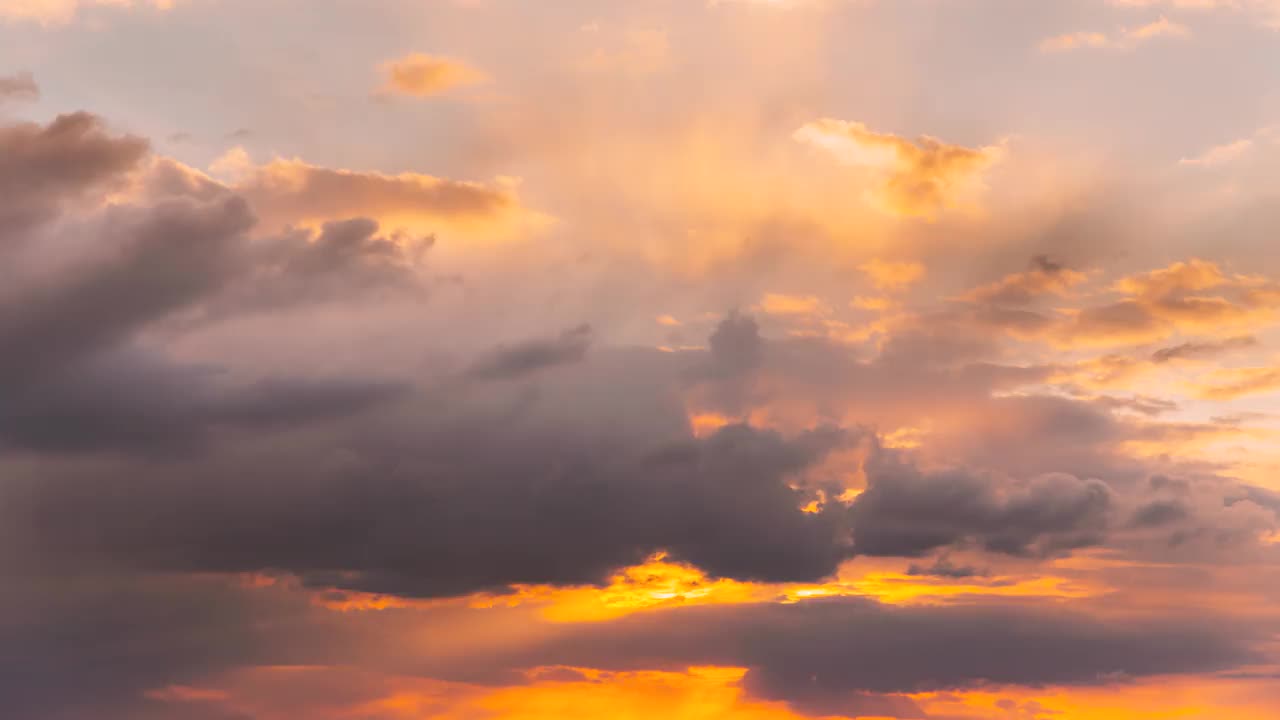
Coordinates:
x,y
736,344
944,568
512,361
99,641
451,510
826,655
165,258
1158,513
137,403
906,512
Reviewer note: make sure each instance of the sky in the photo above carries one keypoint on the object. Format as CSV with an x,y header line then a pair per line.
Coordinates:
x,y
622,359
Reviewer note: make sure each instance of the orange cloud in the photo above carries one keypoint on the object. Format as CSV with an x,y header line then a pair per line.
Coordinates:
x,y
1124,39
420,75
1229,384
1161,699
887,275
697,694
1193,296
780,304
660,584
293,192
913,178
62,11
1043,278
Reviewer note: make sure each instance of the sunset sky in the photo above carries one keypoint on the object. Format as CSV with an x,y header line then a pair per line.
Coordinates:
x,y
639,359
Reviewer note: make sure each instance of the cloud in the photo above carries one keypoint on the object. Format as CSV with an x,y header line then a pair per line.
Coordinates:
x,y
21,86
1194,296
419,75
1228,384
1203,350
906,513
1043,278
165,258
820,655
1123,39
912,178
1266,12
269,448
1232,151
532,355
51,12
886,275
799,305
293,192
44,168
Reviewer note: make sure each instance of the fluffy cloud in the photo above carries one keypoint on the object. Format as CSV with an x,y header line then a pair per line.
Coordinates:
x,y
254,423
917,178
45,167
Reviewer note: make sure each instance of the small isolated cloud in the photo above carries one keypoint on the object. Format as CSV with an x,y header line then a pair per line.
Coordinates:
x,y
1123,39
20,86
913,178
420,75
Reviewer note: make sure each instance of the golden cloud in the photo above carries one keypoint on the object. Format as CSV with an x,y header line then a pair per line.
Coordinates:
x,y
1231,383
293,192
420,75
1044,277
886,275
1193,296
911,178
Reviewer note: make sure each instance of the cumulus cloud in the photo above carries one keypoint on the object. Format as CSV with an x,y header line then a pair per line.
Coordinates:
x,y
912,178
165,438
907,513
45,167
